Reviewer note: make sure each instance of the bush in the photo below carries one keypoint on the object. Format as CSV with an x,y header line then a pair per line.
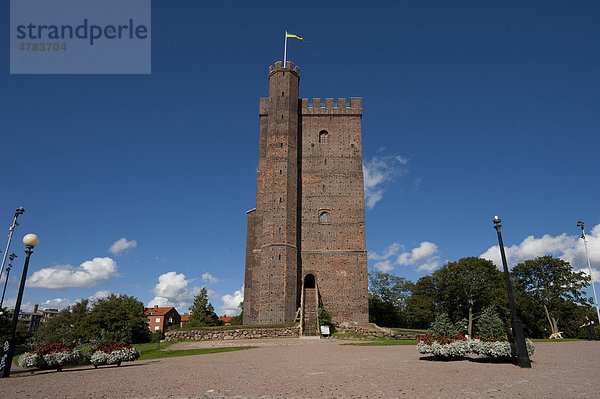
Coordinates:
x,y
157,336
324,317
489,324
442,325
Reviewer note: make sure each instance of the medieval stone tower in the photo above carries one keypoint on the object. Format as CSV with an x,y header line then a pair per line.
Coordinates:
x,y
305,244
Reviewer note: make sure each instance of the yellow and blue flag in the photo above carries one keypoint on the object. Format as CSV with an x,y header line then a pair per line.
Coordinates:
x,y
296,36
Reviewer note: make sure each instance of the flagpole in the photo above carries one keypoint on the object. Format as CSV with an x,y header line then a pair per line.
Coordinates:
x,y
285,49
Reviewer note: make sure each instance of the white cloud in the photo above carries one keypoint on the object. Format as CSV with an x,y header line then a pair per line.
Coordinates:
x,y
56,303
121,246
425,251
389,251
231,302
566,247
209,278
172,290
88,274
377,172
385,266
424,257
99,295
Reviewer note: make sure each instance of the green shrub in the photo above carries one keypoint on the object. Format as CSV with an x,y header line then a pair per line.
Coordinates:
x,y
489,325
442,325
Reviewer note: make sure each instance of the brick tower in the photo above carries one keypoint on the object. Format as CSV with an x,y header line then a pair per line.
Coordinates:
x,y
305,244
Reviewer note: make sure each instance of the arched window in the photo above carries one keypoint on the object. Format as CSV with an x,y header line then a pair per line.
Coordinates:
x,y
323,136
324,217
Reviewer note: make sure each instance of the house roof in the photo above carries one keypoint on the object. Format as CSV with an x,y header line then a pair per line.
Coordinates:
x,y
185,317
225,319
156,311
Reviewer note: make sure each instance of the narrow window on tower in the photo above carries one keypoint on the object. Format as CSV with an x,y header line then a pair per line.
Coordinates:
x,y
279,171
325,162
280,145
279,257
323,136
324,217
282,94
281,116
323,188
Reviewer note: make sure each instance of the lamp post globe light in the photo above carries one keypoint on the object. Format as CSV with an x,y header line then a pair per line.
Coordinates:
x,y
582,225
517,327
8,349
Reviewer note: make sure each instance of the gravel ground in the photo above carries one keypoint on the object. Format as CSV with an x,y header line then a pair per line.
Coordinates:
x,y
294,368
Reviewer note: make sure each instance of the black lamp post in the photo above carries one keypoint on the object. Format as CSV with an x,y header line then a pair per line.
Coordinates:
x,y
11,257
8,349
18,212
517,326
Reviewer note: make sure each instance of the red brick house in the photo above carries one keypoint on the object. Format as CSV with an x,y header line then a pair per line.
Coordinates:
x,y
161,318
184,319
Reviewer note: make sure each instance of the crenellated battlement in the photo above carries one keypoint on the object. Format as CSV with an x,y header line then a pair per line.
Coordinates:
x,y
317,107
288,67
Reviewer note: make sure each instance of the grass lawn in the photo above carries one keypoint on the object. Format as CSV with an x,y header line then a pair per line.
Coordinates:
x,y
150,351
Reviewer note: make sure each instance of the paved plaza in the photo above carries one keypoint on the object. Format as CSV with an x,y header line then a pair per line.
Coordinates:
x,y
295,368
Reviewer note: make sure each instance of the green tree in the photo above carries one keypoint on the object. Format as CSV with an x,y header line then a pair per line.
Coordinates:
x,y
118,318
69,326
420,306
548,286
466,287
387,298
202,313
238,320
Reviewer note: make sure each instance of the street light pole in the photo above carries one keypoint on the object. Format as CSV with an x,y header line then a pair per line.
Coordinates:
x,y
11,257
581,224
18,212
30,241
520,347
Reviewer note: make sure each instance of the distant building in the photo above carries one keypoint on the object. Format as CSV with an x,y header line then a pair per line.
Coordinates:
x,y
225,320
33,320
161,318
184,319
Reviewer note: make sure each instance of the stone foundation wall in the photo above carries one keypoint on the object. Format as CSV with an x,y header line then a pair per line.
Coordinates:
x,y
367,330
237,333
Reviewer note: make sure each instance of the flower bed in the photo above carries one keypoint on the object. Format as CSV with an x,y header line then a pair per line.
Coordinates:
x,y
458,345
446,346
51,356
496,347
112,354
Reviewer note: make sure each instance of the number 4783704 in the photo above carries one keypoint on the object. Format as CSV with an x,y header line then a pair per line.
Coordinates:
x,y
24,46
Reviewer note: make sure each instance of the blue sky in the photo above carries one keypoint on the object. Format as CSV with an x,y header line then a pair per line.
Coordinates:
x,y
471,109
